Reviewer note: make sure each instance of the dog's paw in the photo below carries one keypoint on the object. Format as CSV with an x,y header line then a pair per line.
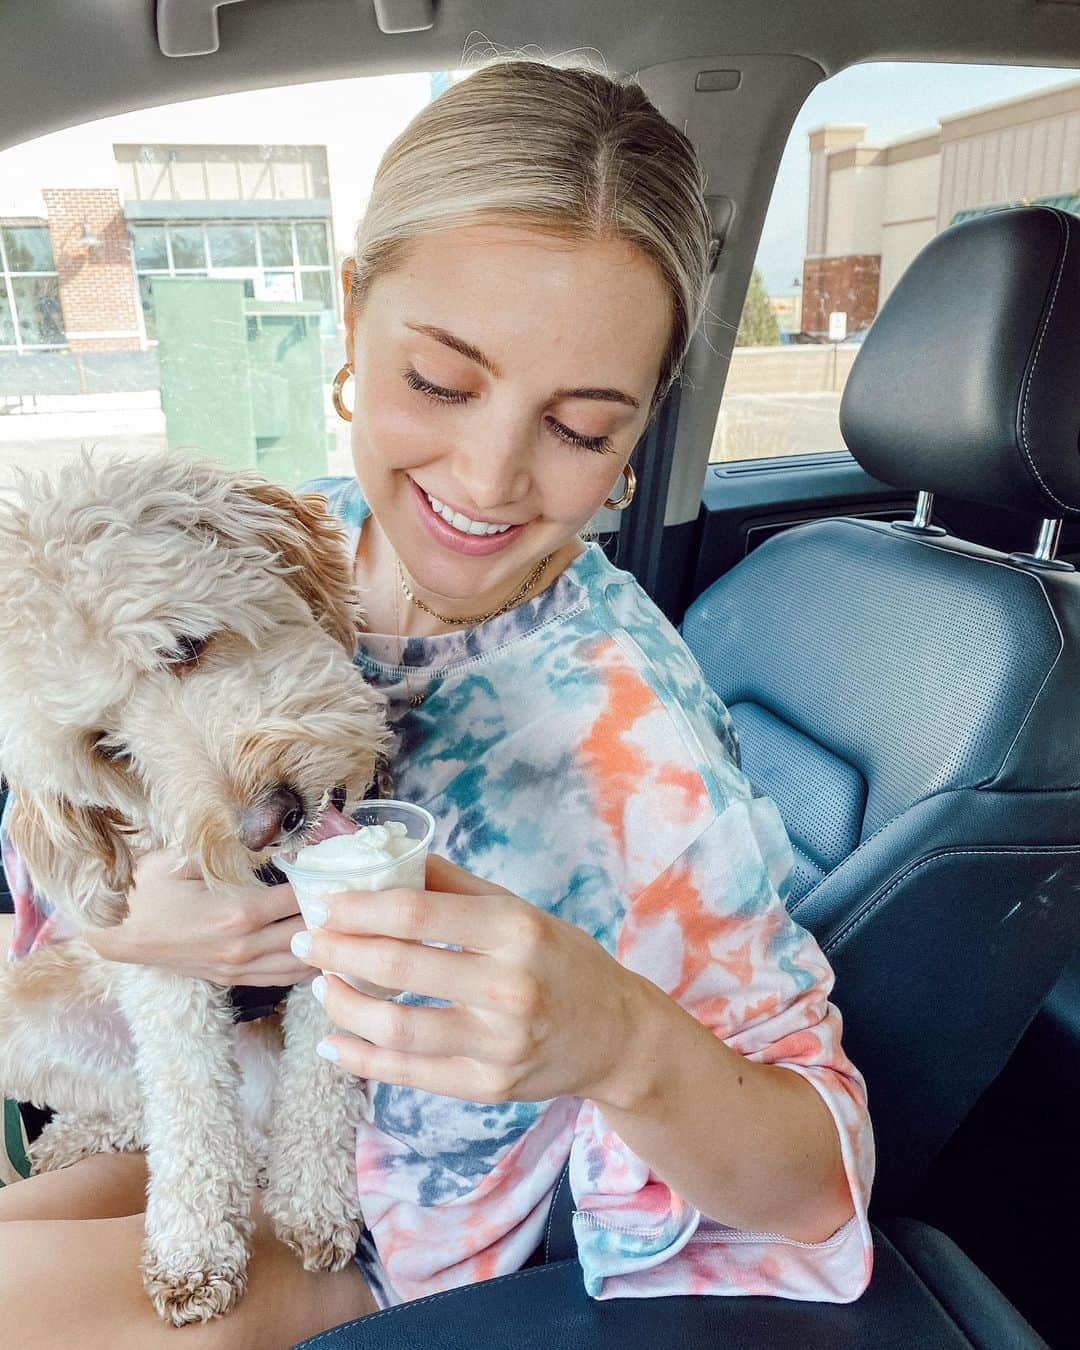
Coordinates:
x,y
330,1248
181,1297
68,1139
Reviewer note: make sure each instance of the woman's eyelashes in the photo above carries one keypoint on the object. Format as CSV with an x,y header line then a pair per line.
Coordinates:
x,y
600,445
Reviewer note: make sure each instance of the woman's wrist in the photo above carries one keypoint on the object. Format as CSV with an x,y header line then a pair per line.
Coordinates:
x,y
108,943
636,1075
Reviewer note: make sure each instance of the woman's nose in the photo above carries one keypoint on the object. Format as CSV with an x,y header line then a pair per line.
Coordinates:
x,y
494,472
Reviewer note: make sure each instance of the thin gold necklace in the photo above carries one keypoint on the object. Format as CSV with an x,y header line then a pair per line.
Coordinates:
x,y
534,576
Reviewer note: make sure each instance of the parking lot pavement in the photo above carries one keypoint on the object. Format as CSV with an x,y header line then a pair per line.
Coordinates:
x,y
49,453
45,452
766,426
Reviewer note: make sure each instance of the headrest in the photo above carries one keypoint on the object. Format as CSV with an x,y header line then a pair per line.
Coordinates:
x,y
968,382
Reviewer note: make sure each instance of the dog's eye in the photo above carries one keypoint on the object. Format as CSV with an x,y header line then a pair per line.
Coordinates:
x,y
185,652
107,747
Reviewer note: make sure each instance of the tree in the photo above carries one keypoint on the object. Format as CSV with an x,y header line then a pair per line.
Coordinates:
x,y
758,326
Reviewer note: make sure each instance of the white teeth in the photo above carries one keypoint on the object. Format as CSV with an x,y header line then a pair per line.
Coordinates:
x,y
463,523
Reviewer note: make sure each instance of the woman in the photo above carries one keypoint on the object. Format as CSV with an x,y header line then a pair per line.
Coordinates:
x,y
629,992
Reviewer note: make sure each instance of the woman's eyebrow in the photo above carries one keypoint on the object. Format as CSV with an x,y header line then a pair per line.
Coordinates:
x,y
466,349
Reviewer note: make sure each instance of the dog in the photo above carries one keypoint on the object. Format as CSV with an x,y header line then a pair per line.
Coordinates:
x,y
176,670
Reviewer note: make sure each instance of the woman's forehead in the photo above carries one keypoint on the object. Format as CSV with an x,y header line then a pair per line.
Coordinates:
x,y
517,296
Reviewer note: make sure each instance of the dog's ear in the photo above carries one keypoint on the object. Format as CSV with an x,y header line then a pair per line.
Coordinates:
x,y
77,856
311,541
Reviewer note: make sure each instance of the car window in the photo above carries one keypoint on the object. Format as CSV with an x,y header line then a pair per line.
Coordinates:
x,y
171,277
132,247
880,159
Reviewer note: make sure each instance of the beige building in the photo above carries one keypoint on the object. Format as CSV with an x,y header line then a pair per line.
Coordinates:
x,y
873,206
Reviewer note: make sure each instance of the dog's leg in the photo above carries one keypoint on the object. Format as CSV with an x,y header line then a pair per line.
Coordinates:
x,y
69,1137
311,1196
201,1169
64,1042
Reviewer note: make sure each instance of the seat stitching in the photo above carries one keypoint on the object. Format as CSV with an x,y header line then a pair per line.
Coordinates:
x,y
1072,787
858,849
1024,449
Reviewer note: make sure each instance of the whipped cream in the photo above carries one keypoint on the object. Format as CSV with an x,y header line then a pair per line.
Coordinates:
x,y
368,859
369,846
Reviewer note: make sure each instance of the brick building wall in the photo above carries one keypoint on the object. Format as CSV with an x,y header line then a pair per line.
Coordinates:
x,y
848,283
97,285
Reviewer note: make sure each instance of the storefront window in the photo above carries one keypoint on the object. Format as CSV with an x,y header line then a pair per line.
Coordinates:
x,y
188,247
30,314
231,245
279,260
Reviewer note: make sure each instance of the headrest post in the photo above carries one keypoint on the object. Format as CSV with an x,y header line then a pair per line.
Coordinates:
x,y
920,521
1049,537
1046,547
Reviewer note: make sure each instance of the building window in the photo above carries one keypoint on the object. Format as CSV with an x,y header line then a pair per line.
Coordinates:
x,y
30,313
279,259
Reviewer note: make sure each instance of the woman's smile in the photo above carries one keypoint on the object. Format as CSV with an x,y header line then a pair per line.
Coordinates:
x,y
449,536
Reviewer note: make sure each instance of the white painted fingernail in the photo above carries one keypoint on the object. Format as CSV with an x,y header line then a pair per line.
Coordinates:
x,y
301,944
316,913
318,988
328,1051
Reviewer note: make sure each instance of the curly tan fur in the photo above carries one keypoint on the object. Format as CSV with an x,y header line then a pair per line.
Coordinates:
x,y
311,542
51,832
176,642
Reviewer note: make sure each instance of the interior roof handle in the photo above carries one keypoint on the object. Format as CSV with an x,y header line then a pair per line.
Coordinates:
x,y
189,27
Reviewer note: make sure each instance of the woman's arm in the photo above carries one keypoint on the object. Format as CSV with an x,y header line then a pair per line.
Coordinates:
x,y
750,1145
539,1009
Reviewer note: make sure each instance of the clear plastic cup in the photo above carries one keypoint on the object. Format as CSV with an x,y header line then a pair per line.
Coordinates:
x,y
408,870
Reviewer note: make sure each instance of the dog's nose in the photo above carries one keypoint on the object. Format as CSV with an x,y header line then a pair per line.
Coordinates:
x,y
272,816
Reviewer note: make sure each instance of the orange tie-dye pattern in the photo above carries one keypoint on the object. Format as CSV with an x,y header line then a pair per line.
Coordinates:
x,y
618,768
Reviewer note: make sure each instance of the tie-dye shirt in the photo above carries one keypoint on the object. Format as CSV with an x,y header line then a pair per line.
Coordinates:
x,y
571,751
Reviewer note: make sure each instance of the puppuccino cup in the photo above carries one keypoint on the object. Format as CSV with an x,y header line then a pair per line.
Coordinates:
x,y
382,844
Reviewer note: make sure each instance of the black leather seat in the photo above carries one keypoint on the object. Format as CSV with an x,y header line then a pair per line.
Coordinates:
x,y
924,1295
912,703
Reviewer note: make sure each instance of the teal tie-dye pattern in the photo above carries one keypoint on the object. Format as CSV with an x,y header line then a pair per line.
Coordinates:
x,y
571,751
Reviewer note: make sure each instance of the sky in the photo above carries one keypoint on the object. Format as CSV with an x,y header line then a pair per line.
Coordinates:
x,y
892,99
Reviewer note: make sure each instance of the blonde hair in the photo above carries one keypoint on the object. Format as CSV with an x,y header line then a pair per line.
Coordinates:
x,y
566,151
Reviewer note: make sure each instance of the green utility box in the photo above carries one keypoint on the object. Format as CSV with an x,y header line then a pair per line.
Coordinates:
x,y
241,379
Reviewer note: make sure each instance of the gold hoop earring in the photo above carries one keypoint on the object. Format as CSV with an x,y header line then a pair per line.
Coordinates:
x,y
339,384
629,488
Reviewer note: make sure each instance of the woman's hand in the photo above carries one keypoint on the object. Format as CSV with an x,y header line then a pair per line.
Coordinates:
x,y
538,1007
174,922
